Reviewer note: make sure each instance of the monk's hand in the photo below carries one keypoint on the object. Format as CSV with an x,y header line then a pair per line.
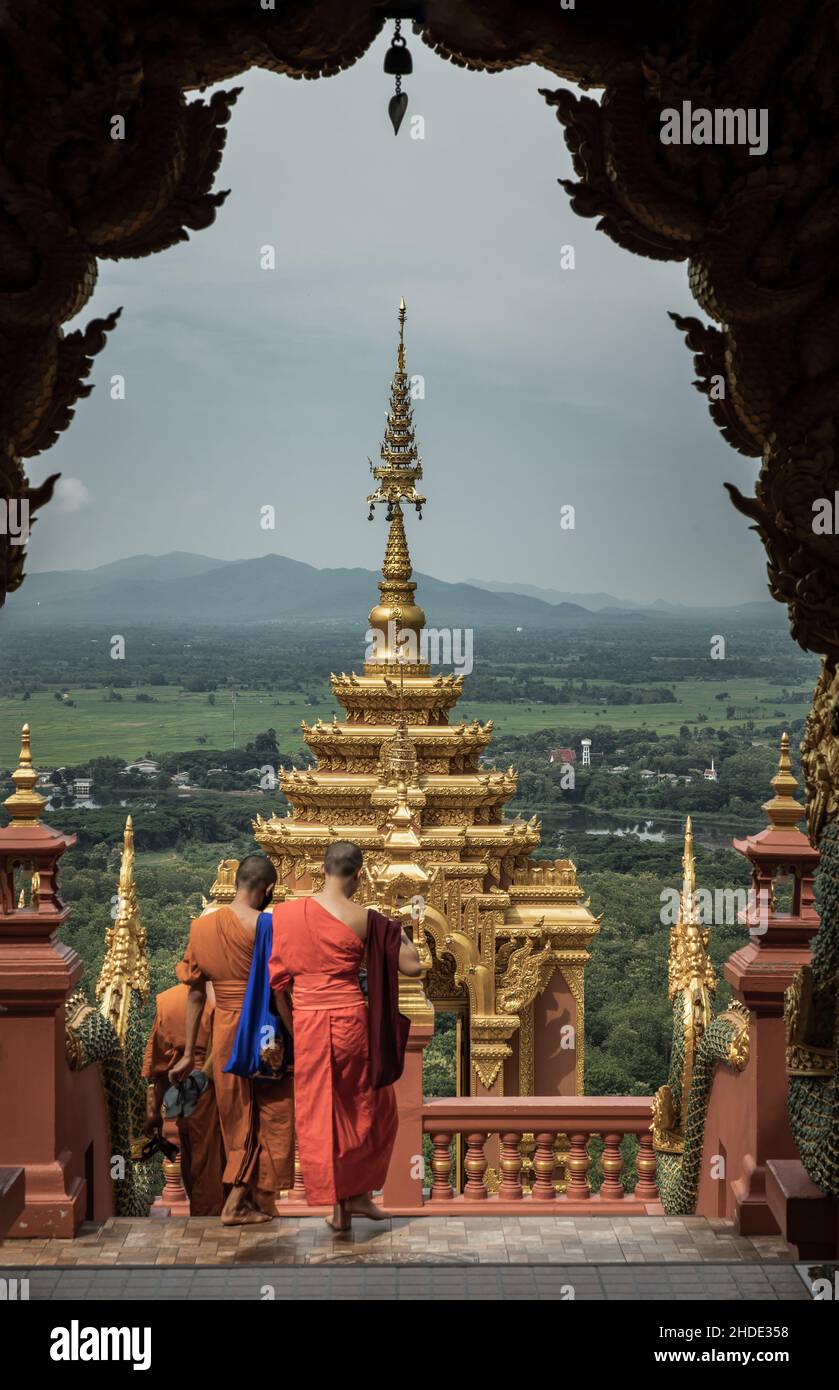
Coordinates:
x,y
182,1069
154,1122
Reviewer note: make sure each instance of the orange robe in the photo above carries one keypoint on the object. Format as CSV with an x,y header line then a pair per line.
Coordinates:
x,y
345,1129
202,1150
257,1117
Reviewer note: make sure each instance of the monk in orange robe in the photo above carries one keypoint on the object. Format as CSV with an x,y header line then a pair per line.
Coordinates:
x,y
257,1116
345,1128
201,1147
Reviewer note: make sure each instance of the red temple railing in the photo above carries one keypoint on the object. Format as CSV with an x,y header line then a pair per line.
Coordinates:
x,y
543,1155
522,1155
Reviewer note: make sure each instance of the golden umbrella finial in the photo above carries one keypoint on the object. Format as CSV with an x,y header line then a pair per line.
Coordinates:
x,y
25,805
400,355
783,811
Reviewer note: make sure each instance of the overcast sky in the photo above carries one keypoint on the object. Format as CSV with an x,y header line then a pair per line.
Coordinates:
x,y
544,386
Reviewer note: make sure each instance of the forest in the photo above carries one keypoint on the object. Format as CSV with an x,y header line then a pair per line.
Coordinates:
x,y
672,712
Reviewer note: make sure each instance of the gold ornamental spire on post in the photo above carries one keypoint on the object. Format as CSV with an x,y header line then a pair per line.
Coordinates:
x,y
25,805
783,811
689,966
126,966
687,904
396,476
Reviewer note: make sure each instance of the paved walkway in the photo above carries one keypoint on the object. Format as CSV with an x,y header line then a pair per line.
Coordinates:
x,y
745,1281
401,1241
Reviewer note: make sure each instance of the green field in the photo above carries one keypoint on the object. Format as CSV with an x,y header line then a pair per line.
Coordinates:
x,y
692,699
126,729
98,727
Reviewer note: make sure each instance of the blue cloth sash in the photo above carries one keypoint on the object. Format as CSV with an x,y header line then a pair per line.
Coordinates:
x,y
258,1024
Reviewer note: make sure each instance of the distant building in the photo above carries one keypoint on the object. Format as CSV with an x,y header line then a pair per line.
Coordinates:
x,y
181,779
710,773
585,744
622,768
147,766
562,755
646,773
82,788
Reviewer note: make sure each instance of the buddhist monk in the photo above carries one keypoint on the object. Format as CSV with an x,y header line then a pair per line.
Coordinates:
x,y
257,1116
201,1147
345,1127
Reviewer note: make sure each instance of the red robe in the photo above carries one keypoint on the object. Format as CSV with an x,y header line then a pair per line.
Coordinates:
x,y
345,1128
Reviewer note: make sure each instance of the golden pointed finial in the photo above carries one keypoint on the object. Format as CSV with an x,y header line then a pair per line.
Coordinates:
x,y
783,811
396,477
689,959
25,805
688,898
126,966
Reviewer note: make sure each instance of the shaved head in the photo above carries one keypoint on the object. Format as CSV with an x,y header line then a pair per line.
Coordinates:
x,y
256,871
343,859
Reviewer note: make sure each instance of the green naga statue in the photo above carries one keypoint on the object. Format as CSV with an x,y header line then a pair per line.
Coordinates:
x,y
111,1034
700,1042
812,1000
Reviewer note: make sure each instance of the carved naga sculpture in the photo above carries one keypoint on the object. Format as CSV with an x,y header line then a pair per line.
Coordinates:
x,y
700,1043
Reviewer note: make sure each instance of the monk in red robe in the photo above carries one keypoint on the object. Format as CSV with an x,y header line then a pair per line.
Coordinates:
x,y
345,1127
257,1116
199,1134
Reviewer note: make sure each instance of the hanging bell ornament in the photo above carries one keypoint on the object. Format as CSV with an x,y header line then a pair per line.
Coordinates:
x,y
398,63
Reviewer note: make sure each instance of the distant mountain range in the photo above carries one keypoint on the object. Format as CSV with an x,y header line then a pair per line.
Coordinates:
x,y
181,587
604,603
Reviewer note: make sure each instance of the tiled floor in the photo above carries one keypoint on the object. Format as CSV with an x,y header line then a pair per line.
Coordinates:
x,y
766,1282
400,1241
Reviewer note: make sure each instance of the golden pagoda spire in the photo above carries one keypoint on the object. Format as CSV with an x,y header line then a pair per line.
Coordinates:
x,y
126,966
396,477
783,811
25,805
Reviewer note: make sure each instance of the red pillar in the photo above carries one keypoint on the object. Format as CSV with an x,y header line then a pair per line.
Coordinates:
x,y
747,1121
403,1186
37,974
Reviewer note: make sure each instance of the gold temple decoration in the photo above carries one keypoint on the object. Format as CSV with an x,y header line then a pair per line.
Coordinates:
x,y
34,886
820,754
810,1045
25,806
411,788
690,975
224,888
783,811
397,475
126,966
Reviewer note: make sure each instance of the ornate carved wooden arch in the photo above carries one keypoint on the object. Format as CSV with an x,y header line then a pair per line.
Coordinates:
x,y
759,233
469,969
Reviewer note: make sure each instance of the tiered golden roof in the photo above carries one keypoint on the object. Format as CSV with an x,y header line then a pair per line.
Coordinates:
x,y
408,787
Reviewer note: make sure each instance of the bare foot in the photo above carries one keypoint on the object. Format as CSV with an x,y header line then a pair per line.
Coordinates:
x,y
340,1220
365,1206
244,1216
264,1200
